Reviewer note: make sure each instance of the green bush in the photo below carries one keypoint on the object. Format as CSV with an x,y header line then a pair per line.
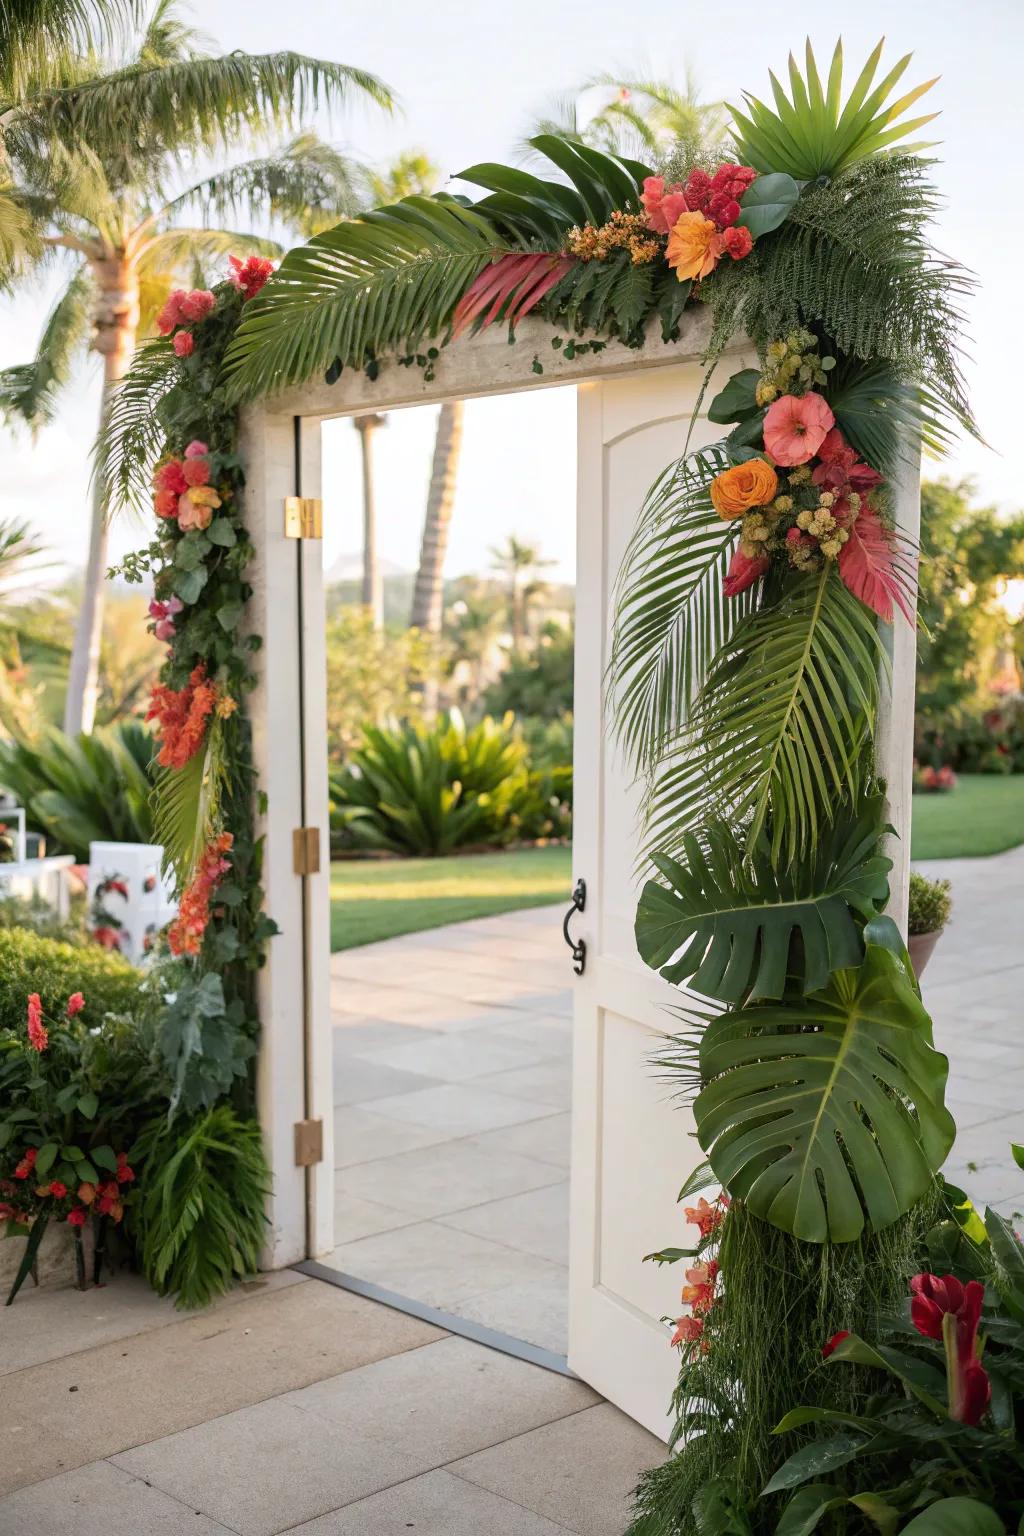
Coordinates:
x,y
30,963
930,904
83,789
429,790
199,1219
974,740
537,683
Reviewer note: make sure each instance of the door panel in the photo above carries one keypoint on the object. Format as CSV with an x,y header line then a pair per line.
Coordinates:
x,y
632,1147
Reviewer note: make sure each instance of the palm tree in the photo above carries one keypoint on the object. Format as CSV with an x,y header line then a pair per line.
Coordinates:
x,y
96,164
428,593
373,594
515,560
636,117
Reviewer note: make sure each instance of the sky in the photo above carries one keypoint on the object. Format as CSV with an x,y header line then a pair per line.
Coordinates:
x,y
470,78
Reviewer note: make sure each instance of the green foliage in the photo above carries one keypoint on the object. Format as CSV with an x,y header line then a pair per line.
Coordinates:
x,y
372,676
834,1125
794,692
428,790
930,904
200,1219
748,930
203,1044
30,963
812,133
537,685
670,615
83,789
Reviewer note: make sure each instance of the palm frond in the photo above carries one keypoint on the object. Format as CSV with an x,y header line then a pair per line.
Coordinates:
x,y
28,390
882,416
178,249
670,614
303,179
131,434
809,134
776,734
185,802
383,283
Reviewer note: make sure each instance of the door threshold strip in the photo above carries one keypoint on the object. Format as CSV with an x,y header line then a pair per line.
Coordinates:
x,y
491,1338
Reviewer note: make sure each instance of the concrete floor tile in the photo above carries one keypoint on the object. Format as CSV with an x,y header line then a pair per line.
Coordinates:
x,y
186,1373
267,1468
358,1081
443,1401
549,1034
453,1058
362,1136
535,1222
101,1500
463,1109
355,1218
547,1140
536,1311
545,1082
432,1181
435,1264
403,1005
579,1472
435,1504
354,1035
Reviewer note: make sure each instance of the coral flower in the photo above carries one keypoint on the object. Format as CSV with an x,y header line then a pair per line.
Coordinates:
x,y
742,487
699,1291
706,1217
249,275
196,471
694,246
87,1193
76,1002
688,1330
662,205
196,507
795,427
38,1038
743,571
184,344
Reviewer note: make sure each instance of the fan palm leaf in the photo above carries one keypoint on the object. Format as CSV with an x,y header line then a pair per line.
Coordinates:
x,y
670,614
775,735
830,1116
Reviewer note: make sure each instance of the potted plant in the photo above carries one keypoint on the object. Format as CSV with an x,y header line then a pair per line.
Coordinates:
x,y
930,906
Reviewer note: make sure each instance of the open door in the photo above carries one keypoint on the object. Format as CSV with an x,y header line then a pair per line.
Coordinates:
x,y
632,1146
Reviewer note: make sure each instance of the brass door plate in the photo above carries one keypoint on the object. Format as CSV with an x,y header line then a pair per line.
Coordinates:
x,y
306,850
309,1143
303,517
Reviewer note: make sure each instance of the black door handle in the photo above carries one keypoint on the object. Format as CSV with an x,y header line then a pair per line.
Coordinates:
x,y
578,946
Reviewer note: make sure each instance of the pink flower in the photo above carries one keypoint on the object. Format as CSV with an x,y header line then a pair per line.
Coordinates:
x,y
795,427
196,450
76,1002
184,345
38,1038
249,275
743,571
688,1330
662,206
197,305
76,1218
197,471
170,315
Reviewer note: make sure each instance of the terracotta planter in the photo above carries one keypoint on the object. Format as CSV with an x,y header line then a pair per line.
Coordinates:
x,y
921,947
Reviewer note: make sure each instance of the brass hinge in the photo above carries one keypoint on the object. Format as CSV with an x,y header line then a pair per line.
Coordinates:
x,y
306,850
309,1143
303,517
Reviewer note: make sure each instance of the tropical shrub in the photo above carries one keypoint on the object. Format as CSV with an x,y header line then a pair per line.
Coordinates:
x,y
930,904
372,676
199,1221
537,684
989,740
83,789
430,789
30,962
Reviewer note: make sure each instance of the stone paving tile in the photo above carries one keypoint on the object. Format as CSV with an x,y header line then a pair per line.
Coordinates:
x,y
361,1135
435,1504
534,1310
104,1399
546,1140
453,1058
433,1181
359,1081
436,1264
101,1500
536,1222
579,1472
355,1218
545,1082
464,1108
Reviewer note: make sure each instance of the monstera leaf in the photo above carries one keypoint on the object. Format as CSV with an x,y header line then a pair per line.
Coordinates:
x,y
738,920
828,1116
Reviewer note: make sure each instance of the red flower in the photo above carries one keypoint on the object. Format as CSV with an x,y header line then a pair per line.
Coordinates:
x,y
840,469
58,1190
743,571
76,1218
170,476
124,1175
662,204
197,305
738,242
38,1038
723,209
834,1342
947,1310
184,344
27,1163
249,275
718,197
107,937
76,1002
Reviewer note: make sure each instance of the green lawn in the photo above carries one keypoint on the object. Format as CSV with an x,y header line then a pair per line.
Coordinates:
x,y
373,899
984,814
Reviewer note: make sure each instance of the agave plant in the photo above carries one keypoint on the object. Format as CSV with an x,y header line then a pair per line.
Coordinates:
x,y
811,134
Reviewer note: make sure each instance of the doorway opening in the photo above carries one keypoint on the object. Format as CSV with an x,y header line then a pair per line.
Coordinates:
x,y
450,597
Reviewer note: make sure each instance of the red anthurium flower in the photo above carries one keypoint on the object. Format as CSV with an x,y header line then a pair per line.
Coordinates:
x,y
834,1343
948,1310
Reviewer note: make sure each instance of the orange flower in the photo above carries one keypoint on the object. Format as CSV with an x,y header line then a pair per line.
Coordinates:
x,y
185,935
181,717
694,246
705,1216
688,1330
699,1293
743,486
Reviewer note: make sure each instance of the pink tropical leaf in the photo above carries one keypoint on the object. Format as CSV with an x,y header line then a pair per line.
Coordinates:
x,y
514,283
878,567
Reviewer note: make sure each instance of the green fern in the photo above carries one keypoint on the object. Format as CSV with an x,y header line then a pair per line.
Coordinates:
x,y
776,736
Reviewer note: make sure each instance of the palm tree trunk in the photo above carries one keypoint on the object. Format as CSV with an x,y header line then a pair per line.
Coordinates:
x,y
117,319
373,591
428,593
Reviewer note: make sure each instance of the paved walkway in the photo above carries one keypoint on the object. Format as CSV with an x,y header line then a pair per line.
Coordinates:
x,y
452,1082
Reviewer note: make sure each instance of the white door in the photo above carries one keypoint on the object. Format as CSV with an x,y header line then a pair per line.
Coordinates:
x,y
632,1147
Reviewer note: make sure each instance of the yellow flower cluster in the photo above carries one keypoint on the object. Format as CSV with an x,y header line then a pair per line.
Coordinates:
x,y
624,231
792,367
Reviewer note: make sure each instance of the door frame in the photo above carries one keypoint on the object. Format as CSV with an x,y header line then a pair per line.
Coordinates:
x,y
280,448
